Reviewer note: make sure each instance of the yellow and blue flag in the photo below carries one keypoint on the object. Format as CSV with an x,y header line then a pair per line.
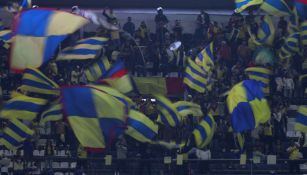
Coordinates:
x,y
241,141
301,119
14,134
260,74
241,5
23,107
293,25
205,58
266,32
95,117
84,49
35,81
301,6
52,114
117,77
140,127
195,77
247,105
38,33
168,114
276,7
5,38
291,45
186,108
97,70
24,4
303,30
204,131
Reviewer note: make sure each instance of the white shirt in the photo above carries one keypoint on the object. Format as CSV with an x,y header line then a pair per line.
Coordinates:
x,y
288,83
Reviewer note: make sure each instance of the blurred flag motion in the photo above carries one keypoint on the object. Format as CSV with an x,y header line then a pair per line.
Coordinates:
x,y
35,81
241,5
260,74
15,133
186,108
301,6
5,38
276,7
95,117
84,49
24,4
303,30
38,32
97,70
204,132
301,119
205,58
247,105
140,127
168,114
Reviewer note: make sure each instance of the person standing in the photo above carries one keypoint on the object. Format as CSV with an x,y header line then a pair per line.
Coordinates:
x,y
129,26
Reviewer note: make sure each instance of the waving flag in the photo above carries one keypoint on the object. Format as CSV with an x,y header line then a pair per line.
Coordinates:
x,y
204,132
23,107
117,77
84,49
243,4
53,113
95,117
262,75
141,127
276,7
24,4
304,33
97,70
301,119
205,58
38,34
186,108
247,105
291,46
14,134
293,25
301,6
266,32
36,82
195,77
168,114
241,141
5,38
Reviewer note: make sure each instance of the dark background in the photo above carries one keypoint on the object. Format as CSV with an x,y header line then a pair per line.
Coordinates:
x,y
173,4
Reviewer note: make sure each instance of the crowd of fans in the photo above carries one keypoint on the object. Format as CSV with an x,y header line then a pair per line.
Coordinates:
x,y
147,53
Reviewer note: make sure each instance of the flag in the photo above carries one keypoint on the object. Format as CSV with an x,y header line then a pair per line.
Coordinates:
x,y
97,70
262,75
204,132
140,127
24,4
84,49
117,77
168,114
293,25
5,38
276,7
195,77
304,33
241,141
241,5
53,113
186,108
266,32
291,45
35,81
23,107
301,6
14,134
301,119
205,58
247,105
95,117
38,32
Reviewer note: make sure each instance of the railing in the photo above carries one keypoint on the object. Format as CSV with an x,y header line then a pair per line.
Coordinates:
x,y
155,166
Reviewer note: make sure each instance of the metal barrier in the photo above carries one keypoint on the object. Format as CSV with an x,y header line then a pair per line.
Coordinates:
x,y
153,166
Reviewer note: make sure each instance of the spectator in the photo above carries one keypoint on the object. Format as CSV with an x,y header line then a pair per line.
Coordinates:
x,y
177,30
203,20
294,156
160,19
288,86
75,76
129,26
121,151
143,34
282,24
